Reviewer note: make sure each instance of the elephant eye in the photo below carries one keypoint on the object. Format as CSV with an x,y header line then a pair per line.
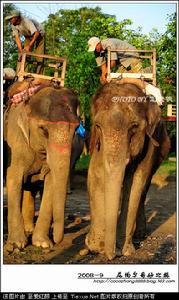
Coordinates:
x,y
98,140
98,144
133,128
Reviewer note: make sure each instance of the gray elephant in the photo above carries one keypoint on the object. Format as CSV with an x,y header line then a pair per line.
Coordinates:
x,y
39,133
128,144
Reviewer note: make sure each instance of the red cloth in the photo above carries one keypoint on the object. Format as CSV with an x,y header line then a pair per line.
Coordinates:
x,y
17,98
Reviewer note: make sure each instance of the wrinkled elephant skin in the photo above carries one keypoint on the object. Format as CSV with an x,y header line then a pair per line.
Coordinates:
x,y
128,144
39,136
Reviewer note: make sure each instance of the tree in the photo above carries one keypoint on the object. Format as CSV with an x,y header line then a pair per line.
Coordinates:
x,y
167,59
67,33
166,70
10,53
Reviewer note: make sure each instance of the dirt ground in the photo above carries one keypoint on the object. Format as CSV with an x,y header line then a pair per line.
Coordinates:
x,y
158,247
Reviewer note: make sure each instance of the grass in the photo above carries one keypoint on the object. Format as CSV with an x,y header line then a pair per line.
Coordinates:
x,y
167,167
83,162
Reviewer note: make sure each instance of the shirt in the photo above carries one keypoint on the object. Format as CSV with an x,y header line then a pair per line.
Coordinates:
x,y
114,44
27,28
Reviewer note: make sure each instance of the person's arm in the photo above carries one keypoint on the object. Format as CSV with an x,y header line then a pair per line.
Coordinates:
x,y
113,63
104,72
19,44
35,36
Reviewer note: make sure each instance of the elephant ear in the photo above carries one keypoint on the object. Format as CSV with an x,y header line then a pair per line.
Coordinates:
x,y
153,117
23,124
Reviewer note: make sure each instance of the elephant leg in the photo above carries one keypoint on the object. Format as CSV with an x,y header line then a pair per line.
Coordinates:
x,y
16,232
141,223
40,237
28,211
125,193
95,239
140,181
140,231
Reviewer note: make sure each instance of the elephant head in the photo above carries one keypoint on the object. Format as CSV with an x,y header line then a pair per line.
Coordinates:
x,y
54,115
123,121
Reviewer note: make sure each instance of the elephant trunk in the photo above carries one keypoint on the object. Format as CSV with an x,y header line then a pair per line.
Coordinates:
x,y
114,176
60,181
59,162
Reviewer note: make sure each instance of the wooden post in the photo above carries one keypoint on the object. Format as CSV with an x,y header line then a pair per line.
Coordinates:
x,y
154,67
63,73
109,64
20,73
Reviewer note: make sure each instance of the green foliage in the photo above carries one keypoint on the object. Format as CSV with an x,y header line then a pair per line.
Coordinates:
x,y
68,31
166,68
167,57
82,163
167,167
67,34
10,54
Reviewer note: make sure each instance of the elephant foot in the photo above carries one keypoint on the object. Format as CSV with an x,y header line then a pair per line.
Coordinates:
x,y
41,241
118,252
83,252
95,245
112,254
58,232
29,228
17,242
128,249
140,234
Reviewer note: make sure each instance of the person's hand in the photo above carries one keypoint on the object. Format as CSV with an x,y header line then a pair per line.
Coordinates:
x,y
27,48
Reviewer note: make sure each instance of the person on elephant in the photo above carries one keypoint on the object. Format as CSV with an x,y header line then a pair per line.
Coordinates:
x,y
33,33
129,60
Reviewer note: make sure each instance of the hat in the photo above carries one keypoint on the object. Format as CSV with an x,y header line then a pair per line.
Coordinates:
x,y
13,13
92,43
8,74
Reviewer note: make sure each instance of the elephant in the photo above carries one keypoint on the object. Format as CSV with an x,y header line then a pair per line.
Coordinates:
x,y
39,132
128,143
